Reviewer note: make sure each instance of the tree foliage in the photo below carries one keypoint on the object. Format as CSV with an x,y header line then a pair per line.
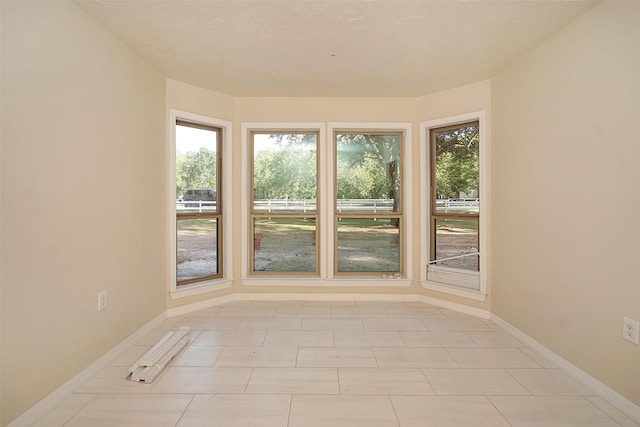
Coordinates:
x,y
364,180
367,166
195,169
457,161
286,168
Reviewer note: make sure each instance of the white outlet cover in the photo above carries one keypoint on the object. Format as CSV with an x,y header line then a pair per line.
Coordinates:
x,y
630,330
102,300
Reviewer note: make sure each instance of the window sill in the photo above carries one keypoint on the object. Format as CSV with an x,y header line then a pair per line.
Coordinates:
x,y
200,288
477,295
335,282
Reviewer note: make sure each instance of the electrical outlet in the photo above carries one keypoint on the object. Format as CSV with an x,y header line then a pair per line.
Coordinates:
x,y
102,300
630,330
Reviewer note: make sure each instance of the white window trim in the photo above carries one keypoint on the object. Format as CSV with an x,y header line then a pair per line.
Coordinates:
x,y
326,211
227,228
425,196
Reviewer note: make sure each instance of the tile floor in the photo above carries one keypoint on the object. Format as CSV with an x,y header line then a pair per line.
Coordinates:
x,y
306,364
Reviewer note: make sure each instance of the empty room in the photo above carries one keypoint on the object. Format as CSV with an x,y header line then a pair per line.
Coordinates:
x,y
319,213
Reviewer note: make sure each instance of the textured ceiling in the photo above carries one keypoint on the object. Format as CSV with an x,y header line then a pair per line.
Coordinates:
x,y
332,48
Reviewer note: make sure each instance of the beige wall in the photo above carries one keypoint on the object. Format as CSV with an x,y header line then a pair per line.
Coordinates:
x,y
193,99
82,196
565,184
457,101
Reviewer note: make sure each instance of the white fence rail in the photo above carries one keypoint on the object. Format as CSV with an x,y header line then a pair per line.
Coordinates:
x,y
195,205
280,205
366,205
343,205
449,205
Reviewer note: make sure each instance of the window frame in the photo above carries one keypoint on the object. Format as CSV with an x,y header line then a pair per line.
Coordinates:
x,y
256,214
222,214
326,211
449,280
399,215
203,215
434,215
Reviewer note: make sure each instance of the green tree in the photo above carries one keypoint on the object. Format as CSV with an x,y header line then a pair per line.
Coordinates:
x,y
286,169
362,180
195,169
457,161
374,159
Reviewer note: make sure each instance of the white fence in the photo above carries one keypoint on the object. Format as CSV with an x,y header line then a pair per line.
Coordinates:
x,y
343,205
449,205
283,205
195,205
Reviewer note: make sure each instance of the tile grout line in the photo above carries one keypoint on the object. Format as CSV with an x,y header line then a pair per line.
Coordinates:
x,y
193,396
290,409
393,408
80,410
426,377
488,398
516,380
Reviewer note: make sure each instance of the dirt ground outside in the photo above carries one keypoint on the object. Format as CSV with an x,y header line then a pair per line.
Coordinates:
x,y
289,245
197,248
454,241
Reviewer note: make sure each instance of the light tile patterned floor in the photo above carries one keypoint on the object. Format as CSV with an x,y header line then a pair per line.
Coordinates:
x,y
306,364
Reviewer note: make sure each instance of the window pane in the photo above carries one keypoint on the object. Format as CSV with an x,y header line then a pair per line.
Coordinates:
x,y
197,248
368,172
457,169
197,200
196,162
368,245
284,245
284,172
455,238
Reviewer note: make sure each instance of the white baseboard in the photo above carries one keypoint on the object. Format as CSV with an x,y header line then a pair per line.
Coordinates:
x,y
614,398
68,388
461,308
325,297
188,308
178,311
